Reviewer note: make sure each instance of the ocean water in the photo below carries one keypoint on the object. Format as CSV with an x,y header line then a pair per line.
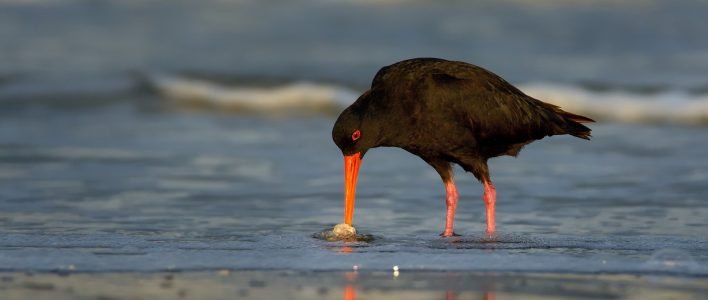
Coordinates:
x,y
142,136
129,186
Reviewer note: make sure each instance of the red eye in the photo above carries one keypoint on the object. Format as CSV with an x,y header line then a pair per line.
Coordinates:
x,y
356,135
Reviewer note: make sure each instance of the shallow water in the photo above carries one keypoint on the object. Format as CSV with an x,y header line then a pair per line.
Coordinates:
x,y
138,186
182,135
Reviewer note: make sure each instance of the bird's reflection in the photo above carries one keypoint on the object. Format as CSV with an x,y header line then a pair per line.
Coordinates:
x,y
454,285
350,286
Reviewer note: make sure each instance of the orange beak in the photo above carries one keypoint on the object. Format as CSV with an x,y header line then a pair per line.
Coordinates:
x,y
351,170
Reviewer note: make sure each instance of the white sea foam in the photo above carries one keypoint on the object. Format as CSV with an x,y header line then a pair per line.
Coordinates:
x,y
299,95
670,106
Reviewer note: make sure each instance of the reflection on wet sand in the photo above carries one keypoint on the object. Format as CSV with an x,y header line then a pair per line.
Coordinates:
x,y
350,285
452,286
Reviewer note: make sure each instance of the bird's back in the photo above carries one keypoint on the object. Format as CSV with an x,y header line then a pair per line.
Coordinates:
x,y
465,107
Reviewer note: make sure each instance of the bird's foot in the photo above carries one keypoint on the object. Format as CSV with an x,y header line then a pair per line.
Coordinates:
x,y
490,235
449,234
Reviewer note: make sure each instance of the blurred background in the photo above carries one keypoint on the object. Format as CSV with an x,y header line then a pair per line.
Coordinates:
x,y
142,134
566,51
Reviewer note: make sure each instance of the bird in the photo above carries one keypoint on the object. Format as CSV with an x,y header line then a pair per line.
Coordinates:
x,y
446,112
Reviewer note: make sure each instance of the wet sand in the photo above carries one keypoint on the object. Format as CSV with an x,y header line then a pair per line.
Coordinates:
x,y
225,284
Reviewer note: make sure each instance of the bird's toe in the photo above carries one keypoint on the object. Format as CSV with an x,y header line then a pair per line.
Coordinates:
x,y
446,234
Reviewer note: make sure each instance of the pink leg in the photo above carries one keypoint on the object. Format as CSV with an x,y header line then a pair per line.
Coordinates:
x,y
490,198
451,202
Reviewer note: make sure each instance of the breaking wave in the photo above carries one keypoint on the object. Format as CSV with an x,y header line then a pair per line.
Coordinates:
x,y
291,96
668,106
664,106
615,104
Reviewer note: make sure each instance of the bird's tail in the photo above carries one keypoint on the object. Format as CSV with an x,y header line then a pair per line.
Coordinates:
x,y
577,118
571,123
576,129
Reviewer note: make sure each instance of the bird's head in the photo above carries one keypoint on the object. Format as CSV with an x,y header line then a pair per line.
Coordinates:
x,y
347,133
354,135
355,131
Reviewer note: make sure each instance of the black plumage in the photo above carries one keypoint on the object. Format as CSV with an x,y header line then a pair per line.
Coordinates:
x,y
449,112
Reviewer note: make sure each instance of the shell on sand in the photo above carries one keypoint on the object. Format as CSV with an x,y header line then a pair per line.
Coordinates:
x,y
343,232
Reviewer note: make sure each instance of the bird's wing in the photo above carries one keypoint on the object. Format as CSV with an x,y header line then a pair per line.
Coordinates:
x,y
498,112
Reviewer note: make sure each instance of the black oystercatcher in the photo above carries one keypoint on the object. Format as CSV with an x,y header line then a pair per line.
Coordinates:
x,y
446,112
